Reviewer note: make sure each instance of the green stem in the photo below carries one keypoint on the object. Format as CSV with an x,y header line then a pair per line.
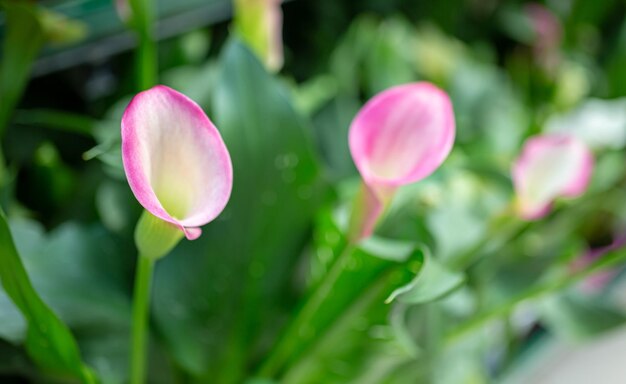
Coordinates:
x,y
147,60
608,260
147,63
499,235
141,305
361,211
289,339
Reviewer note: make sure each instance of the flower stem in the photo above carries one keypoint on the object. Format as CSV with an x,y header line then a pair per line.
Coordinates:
x,y
282,352
147,60
141,303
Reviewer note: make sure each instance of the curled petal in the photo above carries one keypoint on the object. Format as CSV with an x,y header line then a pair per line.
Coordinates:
x,y
400,136
175,160
549,167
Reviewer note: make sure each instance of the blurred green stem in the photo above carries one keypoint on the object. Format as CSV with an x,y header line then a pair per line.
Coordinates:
x,y
283,350
281,353
141,304
501,232
608,260
143,21
3,170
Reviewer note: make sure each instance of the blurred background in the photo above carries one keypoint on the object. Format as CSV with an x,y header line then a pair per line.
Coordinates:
x,y
513,69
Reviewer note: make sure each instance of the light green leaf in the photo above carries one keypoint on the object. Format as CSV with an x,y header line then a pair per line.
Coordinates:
x,y
431,282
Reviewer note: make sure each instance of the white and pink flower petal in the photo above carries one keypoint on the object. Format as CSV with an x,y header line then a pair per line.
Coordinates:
x,y
550,166
175,160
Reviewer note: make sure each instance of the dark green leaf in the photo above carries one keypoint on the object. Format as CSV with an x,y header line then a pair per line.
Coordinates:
x,y
24,37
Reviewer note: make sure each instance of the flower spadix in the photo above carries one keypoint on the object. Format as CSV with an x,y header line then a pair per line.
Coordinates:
x,y
399,137
177,166
550,166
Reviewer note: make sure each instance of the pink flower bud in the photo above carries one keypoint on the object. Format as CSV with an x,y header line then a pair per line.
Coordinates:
x,y
399,137
550,166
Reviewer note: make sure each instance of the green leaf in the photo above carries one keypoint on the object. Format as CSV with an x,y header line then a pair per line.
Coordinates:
x,y
219,299
23,40
57,120
431,282
48,341
84,274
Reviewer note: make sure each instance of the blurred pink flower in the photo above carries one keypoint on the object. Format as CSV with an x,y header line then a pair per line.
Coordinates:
x,y
548,35
550,166
175,160
400,136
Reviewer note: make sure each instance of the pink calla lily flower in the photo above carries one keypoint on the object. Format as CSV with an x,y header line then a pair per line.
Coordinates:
x,y
175,160
550,166
399,137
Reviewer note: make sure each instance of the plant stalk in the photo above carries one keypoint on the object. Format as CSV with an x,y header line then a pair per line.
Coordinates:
x,y
141,305
143,22
282,351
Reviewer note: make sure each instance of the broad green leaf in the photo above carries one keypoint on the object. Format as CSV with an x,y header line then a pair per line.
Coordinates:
x,y
219,299
431,282
48,341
